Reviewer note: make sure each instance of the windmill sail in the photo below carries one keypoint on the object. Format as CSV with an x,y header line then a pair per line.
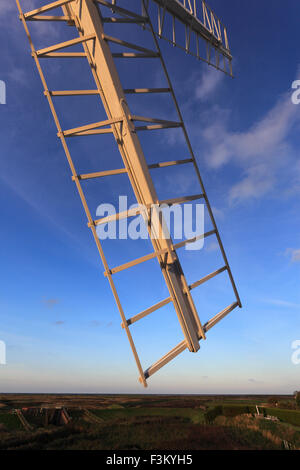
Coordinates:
x,y
99,49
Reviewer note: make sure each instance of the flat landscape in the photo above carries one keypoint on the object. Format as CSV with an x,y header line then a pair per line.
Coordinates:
x,y
137,422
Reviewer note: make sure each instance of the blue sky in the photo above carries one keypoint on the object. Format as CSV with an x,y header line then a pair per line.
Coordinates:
x,y
57,314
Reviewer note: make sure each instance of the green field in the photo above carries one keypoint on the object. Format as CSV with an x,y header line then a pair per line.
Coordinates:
x,y
192,415
10,422
133,422
287,416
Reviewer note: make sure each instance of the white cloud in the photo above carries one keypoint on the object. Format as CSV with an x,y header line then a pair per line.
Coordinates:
x,y
7,6
218,213
212,246
293,254
208,85
261,152
18,75
281,303
296,256
262,140
258,180
50,303
254,381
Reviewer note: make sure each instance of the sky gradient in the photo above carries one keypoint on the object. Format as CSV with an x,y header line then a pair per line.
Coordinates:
x,y
57,314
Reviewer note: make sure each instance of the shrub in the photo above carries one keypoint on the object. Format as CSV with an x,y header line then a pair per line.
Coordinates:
x,y
273,401
212,414
289,416
234,410
298,399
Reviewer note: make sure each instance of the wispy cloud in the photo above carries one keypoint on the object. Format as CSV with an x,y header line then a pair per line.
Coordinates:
x,y
95,323
262,139
256,181
7,7
263,153
293,254
296,256
282,303
211,246
10,6
218,213
260,151
208,84
18,75
255,381
50,303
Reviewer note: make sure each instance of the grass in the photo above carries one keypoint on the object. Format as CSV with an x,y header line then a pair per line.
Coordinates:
x,y
152,432
151,422
192,415
273,431
288,416
10,422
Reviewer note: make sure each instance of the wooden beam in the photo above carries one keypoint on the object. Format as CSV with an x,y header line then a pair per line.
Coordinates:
x,y
125,20
121,215
207,278
100,174
49,18
62,45
127,44
133,55
156,120
171,163
138,261
194,239
180,200
63,55
146,90
155,127
92,132
88,127
149,310
165,359
120,10
45,8
73,92
219,316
